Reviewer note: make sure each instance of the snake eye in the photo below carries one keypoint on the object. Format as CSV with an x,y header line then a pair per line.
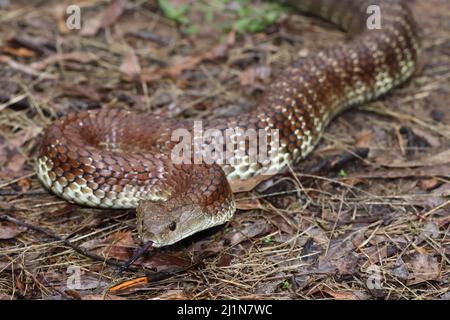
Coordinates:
x,y
172,226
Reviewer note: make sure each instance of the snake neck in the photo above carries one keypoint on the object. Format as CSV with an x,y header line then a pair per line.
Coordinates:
x,y
302,101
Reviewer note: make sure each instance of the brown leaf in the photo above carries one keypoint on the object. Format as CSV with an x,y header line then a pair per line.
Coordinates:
x,y
10,230
224,260
104,19
130,65
341,255
285,224
248,204
20,286
162,262
424,267
25,135
400,270
19,52
112,13
73,294
428,184
248,184
363,139
222,49
352,181
253,230
186,63
91,26
16,162
12,160
344,295
24,184
118,245
207,247
34,42
87,91
432,140
252,75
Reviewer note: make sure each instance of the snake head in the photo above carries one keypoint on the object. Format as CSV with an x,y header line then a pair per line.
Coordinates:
x,y
165,223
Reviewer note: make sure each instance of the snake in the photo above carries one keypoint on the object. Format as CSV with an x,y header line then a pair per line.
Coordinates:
x,y
123,159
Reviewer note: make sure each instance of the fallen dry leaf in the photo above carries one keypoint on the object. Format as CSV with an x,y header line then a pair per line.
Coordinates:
x,y
248,184
252,75
341,255
19,52
10,230
423,267
430,139
186,63
24,184
248,204
16,161
73,294
400,270
25,135
130,65
208,247
118,245
112,13
90,92
428,184
363,139
345,295
104,19
162,262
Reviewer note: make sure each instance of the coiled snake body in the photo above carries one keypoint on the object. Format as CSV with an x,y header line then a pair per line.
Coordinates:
x,y
122,159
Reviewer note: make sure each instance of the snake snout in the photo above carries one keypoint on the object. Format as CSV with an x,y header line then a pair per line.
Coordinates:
x,y
165,223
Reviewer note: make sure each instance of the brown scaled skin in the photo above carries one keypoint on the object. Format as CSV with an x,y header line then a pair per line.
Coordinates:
x,y
121,159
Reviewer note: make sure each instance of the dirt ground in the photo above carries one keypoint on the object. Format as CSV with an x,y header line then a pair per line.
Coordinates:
x,y
366,216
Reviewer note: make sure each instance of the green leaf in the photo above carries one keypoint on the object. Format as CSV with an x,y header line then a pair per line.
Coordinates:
x,y
192,29
285,285
174,13
267,240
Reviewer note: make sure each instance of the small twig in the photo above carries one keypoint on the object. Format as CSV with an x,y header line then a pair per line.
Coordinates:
x,y
139,252
20,193
153,37
346,157
7,183
66,242
153,275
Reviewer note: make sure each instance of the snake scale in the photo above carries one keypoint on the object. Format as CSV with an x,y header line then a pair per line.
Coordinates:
x,y
122,159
